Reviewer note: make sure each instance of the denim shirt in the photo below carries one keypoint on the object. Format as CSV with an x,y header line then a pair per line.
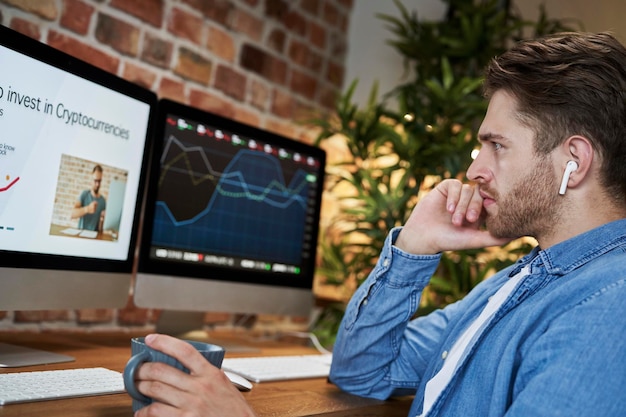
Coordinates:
x,y
556,346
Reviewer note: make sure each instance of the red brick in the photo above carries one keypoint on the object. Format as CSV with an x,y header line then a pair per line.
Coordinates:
x,y
298,53
259,95
303,84
139,75
83,51
221,44
132,315
276,70
330,13
335,74
94,316
171,89
311,6
315,62
276,9
231,82
281,127
276,40
245,116
211,103
248,24
296,23
41,316
304,113
76,16
157,51
193,67
317,35
46,9
118,34
213,318
150,11
282,104
26,28
219,11
185,25
264,64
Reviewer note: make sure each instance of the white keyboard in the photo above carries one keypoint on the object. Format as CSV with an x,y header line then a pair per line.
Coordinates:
x,y
279,368
32,386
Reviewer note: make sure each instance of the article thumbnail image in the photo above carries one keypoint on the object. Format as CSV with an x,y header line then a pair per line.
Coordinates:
x,y
89,199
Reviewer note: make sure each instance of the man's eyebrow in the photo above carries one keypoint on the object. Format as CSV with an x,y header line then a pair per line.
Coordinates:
x,y
483,137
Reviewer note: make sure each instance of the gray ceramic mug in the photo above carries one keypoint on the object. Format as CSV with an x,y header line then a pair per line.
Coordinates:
x,y
141,353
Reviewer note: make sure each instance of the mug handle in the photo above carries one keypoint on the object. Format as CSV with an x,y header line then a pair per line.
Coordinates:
x,y
129,375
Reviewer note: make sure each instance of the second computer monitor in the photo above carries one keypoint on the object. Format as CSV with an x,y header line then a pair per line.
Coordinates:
x,y
232,217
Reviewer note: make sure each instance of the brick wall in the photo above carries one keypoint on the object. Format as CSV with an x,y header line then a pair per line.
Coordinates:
x,y
269,63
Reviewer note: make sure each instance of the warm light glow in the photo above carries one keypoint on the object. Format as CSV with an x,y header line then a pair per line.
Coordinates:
x,y
409,117
474,153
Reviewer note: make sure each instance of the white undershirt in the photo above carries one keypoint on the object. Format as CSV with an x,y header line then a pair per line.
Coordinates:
x,y
438,383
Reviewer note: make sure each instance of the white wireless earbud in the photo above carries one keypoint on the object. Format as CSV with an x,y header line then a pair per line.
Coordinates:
x,y
569,168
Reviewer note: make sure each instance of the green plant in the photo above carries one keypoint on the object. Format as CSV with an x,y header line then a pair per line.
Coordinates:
x,y
393,155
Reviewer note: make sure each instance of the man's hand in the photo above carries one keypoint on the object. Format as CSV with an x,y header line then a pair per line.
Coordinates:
x,y
91,207
450,217
204,392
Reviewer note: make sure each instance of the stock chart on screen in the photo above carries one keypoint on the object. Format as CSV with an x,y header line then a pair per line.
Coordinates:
x,y
223,194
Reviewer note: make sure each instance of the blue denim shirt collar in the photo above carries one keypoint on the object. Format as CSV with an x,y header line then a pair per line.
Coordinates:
x,y
569,255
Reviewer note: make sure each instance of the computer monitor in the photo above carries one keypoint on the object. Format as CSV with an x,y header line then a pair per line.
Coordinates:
x,y
231,221
73,162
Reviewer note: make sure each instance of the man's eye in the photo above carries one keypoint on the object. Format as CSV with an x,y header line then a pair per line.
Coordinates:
x,y
497,146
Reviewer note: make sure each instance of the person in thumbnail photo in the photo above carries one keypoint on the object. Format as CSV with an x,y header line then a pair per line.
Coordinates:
x,y
91,204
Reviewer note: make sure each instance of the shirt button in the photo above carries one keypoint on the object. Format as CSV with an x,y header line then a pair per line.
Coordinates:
x,y
444,355
386,262
365,302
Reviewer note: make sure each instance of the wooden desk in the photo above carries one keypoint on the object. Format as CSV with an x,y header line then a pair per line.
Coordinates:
x,y
112,350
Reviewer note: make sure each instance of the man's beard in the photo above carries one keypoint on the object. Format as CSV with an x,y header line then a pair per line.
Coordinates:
x,y
531,206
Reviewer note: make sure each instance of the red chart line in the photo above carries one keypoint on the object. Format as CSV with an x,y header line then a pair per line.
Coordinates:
x,y
11,184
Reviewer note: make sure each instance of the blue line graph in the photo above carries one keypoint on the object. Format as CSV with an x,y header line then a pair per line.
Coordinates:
x,y
248,204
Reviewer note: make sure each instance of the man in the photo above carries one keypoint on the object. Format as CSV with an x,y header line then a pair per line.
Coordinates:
x,y
544,337
90,206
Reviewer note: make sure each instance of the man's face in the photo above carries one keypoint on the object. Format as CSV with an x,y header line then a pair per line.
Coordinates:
x,y
519,187
97,180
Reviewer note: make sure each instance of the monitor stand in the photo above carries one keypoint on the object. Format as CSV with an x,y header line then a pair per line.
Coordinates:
x,y
189,325
12,356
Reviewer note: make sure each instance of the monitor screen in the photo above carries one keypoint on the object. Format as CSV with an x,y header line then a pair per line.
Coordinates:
x,y
232,217
73,162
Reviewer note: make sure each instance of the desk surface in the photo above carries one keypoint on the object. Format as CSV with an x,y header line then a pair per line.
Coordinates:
x,y
112,350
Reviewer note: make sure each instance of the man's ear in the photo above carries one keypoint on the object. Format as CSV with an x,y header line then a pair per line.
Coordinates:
x,y
579,150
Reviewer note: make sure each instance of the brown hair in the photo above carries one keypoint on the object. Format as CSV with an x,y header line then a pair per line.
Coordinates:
x,y
570,84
